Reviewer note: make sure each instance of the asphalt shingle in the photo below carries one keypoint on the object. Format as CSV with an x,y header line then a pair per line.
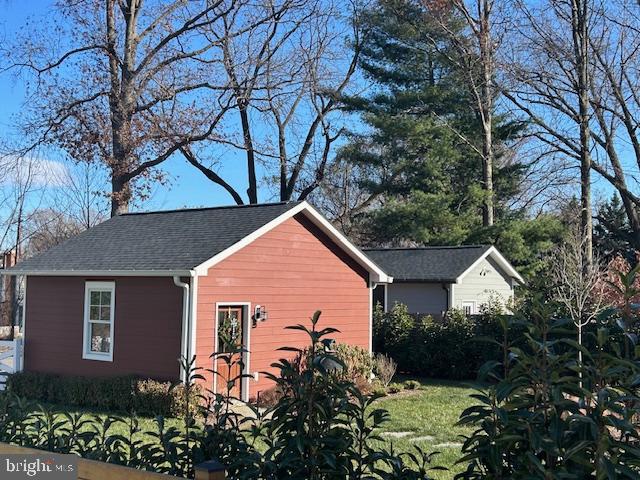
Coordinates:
x,y
427,264
170,240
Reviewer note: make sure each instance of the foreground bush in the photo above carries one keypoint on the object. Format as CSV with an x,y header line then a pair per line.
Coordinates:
x,y
452,348
122,393
547,416
320,428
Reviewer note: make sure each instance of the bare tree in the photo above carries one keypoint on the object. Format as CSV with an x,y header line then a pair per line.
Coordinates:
x,y
615,53
123,85
577,283
316,97
46,228
342,198
285,78
19,188
476,62
81,197
551,79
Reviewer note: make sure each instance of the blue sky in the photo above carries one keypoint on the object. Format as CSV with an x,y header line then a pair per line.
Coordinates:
x,y
187,186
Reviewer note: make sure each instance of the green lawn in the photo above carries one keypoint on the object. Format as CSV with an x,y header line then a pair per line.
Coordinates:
x,y
145,424
426,417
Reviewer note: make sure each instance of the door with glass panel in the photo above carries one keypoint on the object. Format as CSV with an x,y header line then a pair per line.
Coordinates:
x,y
230,338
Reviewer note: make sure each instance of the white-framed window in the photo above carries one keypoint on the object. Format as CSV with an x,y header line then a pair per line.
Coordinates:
x,y
469,308
99,309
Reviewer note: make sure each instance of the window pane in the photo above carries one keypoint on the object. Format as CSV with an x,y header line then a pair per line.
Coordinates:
x,y
229,330
95,298
94,313
105,314
100,337
105,298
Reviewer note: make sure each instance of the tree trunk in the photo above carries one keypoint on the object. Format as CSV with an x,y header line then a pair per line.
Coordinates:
x,y
487,177
486,54
120,194
252,189
633,217
579,14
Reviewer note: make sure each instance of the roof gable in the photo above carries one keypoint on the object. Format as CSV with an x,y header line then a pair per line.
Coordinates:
x,y
447,264
178,242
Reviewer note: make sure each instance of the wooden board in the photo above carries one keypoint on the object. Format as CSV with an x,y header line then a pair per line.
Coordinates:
x,y
93,470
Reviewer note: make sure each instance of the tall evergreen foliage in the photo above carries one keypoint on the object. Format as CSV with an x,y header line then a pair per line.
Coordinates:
x,y
419,147
612,233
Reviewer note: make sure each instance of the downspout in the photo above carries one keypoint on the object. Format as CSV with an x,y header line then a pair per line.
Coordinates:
x,y
186,322
446,290
372,286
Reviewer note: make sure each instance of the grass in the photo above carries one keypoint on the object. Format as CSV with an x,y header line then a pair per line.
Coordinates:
x,y
426,417
145,424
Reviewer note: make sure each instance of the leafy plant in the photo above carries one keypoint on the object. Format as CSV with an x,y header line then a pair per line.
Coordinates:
x,y
357,361
394,388
118,393
411,385
321,426
547,416
454,347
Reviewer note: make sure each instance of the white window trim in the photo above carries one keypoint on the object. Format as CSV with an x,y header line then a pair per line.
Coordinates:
x,y
89,287
472,304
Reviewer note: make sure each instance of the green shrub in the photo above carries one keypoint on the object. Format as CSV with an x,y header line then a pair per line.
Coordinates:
x,y
394,388
121,393
411,385
379,390
357,360
452,348
546,415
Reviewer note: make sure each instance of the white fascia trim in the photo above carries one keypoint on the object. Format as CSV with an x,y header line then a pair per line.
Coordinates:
x,y
204,267
377,275
503,262
101,273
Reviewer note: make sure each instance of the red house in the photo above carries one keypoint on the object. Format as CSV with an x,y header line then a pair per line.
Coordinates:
x,y
135,293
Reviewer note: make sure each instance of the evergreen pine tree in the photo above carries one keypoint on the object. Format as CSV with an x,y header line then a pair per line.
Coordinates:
x,y
612,234
419,144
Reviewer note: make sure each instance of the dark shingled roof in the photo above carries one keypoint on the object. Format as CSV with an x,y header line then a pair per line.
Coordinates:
x,y
427,264
174,240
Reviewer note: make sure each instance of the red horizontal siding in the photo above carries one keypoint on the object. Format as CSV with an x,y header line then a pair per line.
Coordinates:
x,y
147,327
292,270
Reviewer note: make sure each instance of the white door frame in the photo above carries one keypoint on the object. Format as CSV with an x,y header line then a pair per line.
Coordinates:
x,y
246,342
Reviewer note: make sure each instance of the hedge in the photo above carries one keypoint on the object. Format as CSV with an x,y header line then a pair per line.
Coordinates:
x,y
452,348
120,393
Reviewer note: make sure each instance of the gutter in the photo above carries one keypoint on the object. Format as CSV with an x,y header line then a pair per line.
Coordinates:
x,y
185,347
97,273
